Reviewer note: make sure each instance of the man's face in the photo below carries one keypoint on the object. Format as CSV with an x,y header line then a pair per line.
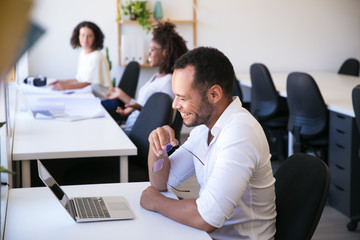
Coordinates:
x,y
192,104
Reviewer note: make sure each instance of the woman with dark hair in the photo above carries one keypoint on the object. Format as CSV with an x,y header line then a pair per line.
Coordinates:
x,y
93,67
165,48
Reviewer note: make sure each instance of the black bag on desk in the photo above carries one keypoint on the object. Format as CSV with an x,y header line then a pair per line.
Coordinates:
x,y
37,81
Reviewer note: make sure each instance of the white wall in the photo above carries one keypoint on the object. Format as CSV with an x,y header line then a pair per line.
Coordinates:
x,y
285,35
52,55
301,35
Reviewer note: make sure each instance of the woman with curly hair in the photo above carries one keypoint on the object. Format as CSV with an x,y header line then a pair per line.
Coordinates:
x,y
165,48
93,67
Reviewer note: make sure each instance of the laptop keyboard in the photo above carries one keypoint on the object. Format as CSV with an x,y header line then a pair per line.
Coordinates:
x,y
92,207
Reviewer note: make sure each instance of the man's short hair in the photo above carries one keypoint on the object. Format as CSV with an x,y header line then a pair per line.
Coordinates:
x,y
211,67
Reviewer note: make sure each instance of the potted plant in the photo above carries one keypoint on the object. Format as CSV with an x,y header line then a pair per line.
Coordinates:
x,y
3,169
137,11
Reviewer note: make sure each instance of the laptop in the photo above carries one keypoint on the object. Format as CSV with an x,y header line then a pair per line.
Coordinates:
x,y
55,113
87,209
52,108
99,91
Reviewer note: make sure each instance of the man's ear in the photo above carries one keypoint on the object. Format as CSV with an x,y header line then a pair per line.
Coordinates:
x,y
215,93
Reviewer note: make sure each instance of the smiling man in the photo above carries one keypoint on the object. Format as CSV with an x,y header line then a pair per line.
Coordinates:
x,y
227,151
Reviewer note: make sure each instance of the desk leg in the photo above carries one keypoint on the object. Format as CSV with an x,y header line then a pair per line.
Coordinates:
x,y
290,143
124,169
25,174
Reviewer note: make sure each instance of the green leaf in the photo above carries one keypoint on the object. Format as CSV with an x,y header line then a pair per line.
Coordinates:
x,y
137,10
2,124
2,169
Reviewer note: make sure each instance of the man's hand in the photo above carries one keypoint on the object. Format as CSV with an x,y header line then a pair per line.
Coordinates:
x,y
160,137
182,211
150,197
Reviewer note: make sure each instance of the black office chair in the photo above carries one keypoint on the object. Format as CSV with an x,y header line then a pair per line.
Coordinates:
x,y
308,115
350,67
129,79
301,189
236,91
128,83
156,112
352,225
356,106
269,109
177,125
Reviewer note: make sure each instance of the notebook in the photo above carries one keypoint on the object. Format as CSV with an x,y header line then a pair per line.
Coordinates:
x,y
87,209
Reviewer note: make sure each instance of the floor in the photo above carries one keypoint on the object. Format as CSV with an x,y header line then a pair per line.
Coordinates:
x,y
332,225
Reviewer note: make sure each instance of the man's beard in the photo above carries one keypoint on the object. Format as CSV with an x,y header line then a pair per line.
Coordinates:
x,y
206,110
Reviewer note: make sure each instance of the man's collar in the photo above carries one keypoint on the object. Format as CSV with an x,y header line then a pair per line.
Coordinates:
x,y
234,106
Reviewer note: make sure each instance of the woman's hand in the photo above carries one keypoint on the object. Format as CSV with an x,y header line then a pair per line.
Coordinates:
x,y
134,106
63,84
59,85
114,93
124,112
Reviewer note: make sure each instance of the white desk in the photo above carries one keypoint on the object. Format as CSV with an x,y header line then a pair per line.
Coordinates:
x,y
34,213
3,207
335,88
51,139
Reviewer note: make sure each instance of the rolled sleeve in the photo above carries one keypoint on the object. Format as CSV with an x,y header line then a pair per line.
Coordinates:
x,y
210,210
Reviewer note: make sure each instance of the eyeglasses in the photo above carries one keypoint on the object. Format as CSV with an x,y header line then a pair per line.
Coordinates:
x,y
159,163
153,49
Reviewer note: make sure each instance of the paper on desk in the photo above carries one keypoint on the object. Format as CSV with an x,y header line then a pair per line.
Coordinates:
x,y
75,108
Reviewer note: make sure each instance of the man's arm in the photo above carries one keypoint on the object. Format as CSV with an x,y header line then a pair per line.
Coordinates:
x,y
158,139
182,211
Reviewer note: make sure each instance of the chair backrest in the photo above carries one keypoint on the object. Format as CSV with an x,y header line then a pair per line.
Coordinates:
x,y
177,125
236,91
301,189
156,112
350,67
307,109
264,97
129,79
356,106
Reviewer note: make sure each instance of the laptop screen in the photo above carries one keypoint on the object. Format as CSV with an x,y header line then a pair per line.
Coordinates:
x,y
50,182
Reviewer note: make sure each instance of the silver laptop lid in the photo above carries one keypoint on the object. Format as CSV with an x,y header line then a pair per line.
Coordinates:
x,y
50,182
25,101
